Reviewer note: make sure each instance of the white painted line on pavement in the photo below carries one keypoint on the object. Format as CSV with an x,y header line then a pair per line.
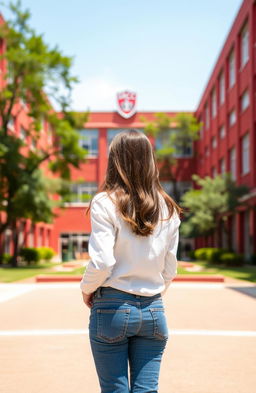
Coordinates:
x,y
61,332
13,291
236,333
60,285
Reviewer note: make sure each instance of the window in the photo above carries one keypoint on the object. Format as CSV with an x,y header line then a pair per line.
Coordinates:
x,y
245,154
244,46
206,151
40,241
207,118
23,133
214,171
222,132
222,88
232,157
244,101
182,187
82,192
33,143
7,241
182,148
214,142
89,140
214,103
201,132
112,132
222,165
231,64
31,236
11,123
232,117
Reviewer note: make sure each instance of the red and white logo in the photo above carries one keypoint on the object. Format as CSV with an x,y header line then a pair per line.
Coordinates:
x,y
126,103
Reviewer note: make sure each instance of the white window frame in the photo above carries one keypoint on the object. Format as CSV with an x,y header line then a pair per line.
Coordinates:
x,y
91,152
245,100
207,116
214,142
244,46
83,188
232,117
214,171
222,165
222,131
23,133
214,103
245,154
11,123
232,69
222,87
233,162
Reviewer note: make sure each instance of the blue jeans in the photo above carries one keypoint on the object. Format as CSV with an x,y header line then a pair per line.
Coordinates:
x,y
127,329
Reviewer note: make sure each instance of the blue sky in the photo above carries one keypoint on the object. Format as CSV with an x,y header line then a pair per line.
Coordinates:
x,y
164,50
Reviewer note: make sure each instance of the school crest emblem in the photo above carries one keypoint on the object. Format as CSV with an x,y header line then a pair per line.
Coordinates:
x,y
126,103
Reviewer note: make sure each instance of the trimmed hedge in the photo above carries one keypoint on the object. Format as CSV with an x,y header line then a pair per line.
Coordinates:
x,y
232,259
46,253
30,255
200,253
5,259
219,255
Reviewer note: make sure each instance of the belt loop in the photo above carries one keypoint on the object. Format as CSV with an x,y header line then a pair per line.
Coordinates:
x,y
98,292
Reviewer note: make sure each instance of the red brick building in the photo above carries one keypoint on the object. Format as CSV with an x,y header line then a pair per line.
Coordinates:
x,y
228,138
72,227
227,143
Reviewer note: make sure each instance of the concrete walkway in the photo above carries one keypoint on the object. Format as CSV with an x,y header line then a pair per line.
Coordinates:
x,y
44,345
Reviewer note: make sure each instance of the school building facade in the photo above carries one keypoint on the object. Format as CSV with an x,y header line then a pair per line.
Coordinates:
x,y
227,142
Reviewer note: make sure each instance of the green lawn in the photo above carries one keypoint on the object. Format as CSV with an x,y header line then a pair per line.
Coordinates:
x,y
8,274
247,272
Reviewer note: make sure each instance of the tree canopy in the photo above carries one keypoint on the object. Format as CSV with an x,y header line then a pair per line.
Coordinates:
x,y
205,207
38,146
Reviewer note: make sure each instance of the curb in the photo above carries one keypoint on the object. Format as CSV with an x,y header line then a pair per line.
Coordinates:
x,y
189,278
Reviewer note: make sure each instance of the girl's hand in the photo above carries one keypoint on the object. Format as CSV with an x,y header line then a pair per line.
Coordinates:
x,y
88,299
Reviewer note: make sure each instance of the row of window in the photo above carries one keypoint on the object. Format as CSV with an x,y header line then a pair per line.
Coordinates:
x,y
227,77
89,141
83,192
43,238
23,134
232,116
245,159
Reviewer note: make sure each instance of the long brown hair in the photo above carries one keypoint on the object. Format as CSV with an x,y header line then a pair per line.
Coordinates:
x,y
132,174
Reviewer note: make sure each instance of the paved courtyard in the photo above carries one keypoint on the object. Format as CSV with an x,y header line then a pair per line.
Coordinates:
x,y
44,344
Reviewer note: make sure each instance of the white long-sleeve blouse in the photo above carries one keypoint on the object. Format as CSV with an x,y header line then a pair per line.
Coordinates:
x,y
126,261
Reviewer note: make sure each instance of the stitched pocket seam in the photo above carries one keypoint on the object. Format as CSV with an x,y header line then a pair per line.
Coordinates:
x,y
125,325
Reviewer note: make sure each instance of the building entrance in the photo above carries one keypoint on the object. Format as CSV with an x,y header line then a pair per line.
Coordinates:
x,y
74,246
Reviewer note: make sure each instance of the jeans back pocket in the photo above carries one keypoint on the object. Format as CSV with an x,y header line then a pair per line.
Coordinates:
x,y
160,323
112,324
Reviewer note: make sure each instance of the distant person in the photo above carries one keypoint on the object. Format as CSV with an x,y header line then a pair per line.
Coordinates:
x,y
133,247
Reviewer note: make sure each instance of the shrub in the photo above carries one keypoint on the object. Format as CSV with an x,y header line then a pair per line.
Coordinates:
x,y
253,259
214,254
5,259
29,255
191,254
45,253
200,254
232,259
210,254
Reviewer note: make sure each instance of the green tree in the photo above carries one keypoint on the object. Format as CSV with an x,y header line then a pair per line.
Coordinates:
x,y
177,134
30,176
209,206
